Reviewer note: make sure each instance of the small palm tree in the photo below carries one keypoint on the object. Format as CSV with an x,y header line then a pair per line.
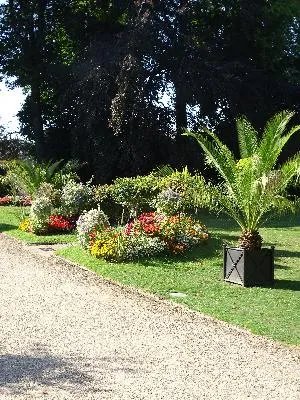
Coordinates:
x,y
253,186
28,175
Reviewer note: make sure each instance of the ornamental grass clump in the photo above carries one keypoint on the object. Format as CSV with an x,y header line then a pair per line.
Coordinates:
x,y
253,187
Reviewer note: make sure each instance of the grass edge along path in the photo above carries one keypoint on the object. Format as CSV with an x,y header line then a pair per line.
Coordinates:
x,y
272,312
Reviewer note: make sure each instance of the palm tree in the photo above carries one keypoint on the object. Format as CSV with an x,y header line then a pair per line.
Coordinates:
x,y
253,186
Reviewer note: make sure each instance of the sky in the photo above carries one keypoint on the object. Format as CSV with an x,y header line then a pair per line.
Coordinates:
x,y
10,103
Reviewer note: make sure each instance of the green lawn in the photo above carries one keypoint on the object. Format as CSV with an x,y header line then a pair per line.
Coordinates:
x,y
273,312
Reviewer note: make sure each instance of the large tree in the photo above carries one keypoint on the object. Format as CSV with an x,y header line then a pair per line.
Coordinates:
x,y
97,72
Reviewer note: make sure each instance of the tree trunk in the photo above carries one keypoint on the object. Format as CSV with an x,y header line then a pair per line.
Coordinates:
x,y
180,108
37,119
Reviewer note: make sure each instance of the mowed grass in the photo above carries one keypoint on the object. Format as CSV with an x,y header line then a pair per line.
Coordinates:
x,y
10,218
272,312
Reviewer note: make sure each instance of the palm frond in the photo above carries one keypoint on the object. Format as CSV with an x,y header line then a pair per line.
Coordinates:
x,y
217,153
163,171
51,168
271,143
247,137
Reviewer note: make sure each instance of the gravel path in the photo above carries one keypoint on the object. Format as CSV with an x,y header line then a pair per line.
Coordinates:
x,y
67,334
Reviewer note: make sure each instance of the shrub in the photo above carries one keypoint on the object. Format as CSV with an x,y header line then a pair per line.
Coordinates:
x,y
89,222
115,212
5,186
26,176
75,198
168,202
192,191
135,194
39,214
50,192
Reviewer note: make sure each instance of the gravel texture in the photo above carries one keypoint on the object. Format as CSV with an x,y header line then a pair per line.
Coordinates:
x,y
67,334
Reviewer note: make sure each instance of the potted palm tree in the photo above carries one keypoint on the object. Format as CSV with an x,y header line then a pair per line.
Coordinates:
x,y
251,189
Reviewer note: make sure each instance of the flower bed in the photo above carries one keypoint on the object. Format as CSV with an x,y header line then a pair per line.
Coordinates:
x,y
15,201
54,224
148,235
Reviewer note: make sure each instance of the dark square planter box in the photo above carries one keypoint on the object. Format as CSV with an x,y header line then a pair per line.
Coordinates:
x,y
249,267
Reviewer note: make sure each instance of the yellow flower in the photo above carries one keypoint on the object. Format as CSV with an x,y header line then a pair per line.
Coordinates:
x,y
25,225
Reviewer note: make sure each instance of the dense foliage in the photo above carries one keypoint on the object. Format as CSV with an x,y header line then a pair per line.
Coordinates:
x,y
97,74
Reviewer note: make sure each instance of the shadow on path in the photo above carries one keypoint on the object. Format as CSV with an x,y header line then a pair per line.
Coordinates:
x,y
18,373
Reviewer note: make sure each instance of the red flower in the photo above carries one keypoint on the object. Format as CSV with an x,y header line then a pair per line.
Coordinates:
x,y
60,223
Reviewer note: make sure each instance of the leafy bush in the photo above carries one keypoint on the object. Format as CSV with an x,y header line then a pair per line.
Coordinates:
x,y
66,173
50,192
175,192
115,212
135,194
26,176
168,202
75,198
5,186
191,190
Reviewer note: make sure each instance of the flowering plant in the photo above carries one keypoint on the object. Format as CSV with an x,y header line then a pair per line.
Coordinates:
x,y
25,225
18,200
178,232
148,235
88,223
59,223
114,245
168,201
6,200
39,214
181,232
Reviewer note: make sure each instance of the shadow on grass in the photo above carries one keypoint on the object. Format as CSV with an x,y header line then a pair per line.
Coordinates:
x,y
211,249
7,227
279,266
283,222
285,284
287,253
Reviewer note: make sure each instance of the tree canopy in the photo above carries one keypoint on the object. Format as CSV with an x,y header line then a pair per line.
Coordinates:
x,y
114,83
